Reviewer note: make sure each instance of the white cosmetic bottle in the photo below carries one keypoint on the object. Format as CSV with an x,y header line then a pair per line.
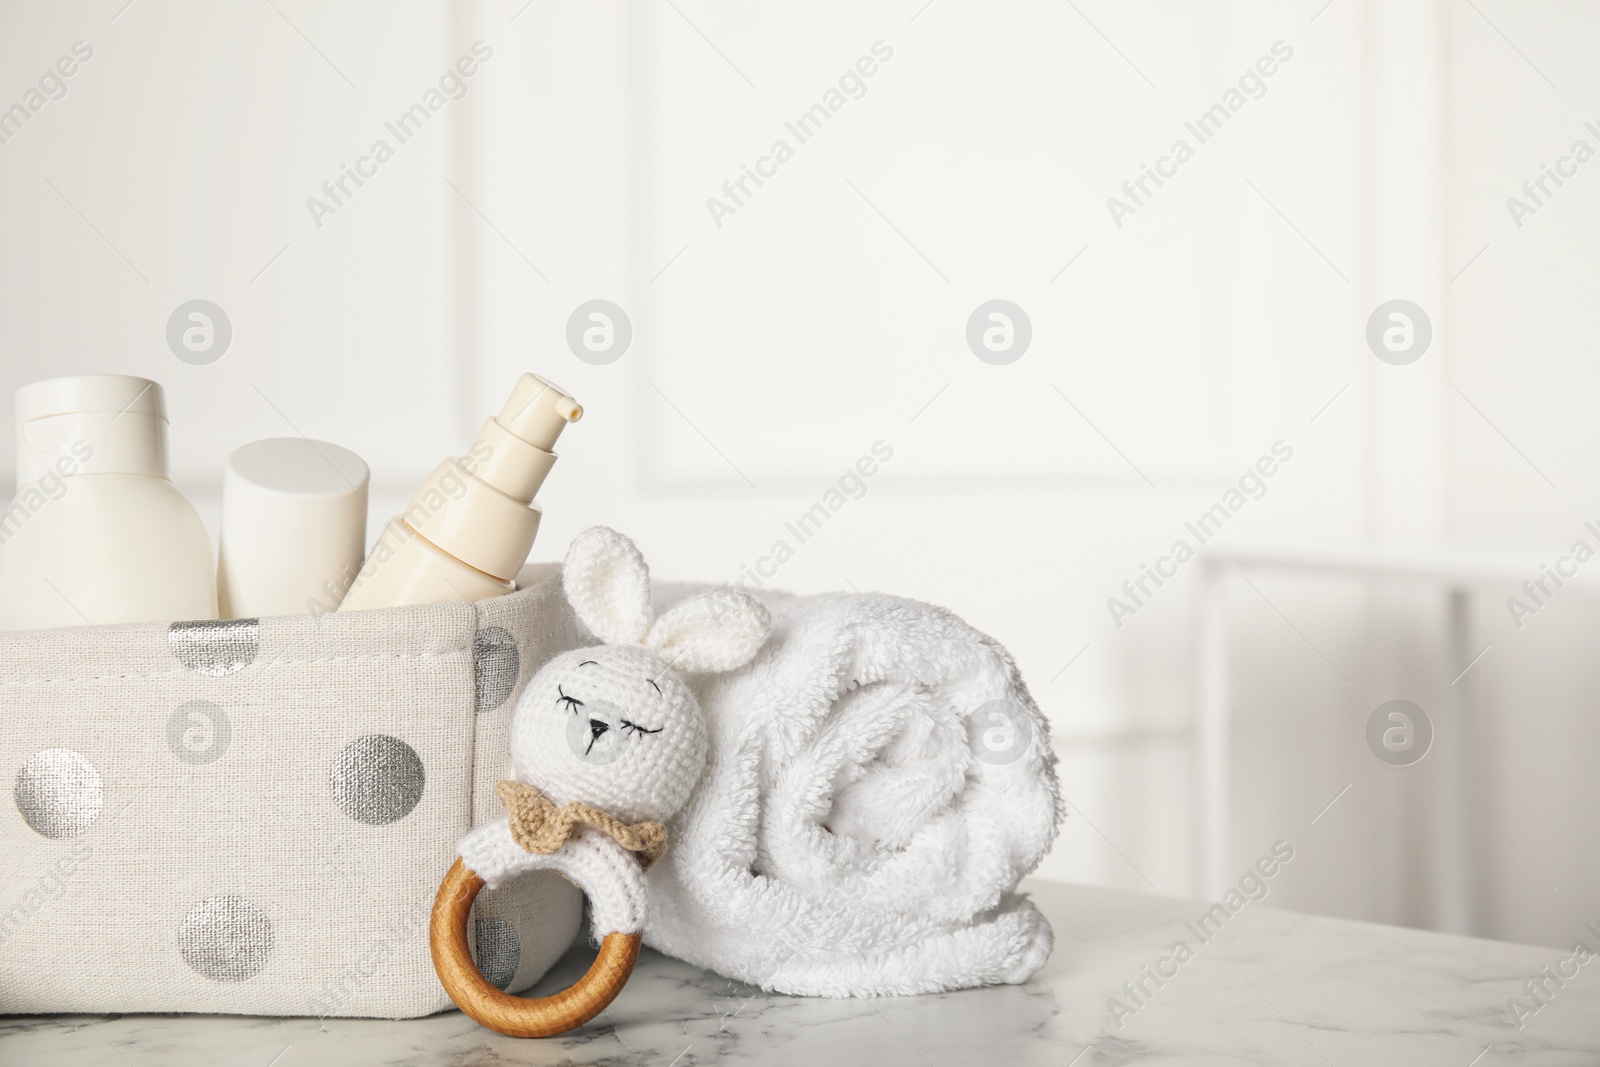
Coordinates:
x,y
468,530
294,527
98,534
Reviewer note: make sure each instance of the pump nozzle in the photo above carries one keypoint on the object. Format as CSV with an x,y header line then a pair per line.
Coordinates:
x,y
537,411
491,519
468,529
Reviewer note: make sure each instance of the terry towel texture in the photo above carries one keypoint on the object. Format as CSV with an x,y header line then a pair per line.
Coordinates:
x,y
879,780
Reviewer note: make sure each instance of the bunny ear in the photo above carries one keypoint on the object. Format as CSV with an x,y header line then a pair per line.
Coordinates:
x,y
718,630
608,585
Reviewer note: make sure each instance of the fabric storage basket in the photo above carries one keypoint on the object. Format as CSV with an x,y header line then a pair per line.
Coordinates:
x,y
252,816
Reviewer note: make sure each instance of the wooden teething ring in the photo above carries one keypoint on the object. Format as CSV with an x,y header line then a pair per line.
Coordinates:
x,y
509,1015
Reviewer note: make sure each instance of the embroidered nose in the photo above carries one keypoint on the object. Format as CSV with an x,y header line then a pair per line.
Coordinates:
x,y
596,733
597,727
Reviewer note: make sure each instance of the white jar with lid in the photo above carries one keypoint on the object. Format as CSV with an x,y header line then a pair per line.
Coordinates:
x,y
97,533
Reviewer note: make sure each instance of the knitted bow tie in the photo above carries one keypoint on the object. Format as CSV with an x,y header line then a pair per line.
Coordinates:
x,y
540,827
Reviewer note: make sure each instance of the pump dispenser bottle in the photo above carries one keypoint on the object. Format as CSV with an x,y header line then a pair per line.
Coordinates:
x,y
468,529
97,533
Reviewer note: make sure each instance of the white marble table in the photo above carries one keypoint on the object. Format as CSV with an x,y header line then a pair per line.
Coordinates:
x,y
1270,987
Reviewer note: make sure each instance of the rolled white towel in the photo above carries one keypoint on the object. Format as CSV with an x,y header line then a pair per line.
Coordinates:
x,y
856,833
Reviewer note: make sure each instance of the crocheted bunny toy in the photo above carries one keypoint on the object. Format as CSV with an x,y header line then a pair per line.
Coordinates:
x,y
614,725
607,741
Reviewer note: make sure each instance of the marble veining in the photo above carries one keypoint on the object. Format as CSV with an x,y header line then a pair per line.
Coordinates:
x,y
1271,988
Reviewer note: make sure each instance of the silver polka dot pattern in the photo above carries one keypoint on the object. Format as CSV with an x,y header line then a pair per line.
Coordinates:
x,y
215,646
226,938
499,951
377,779
495,662
59,793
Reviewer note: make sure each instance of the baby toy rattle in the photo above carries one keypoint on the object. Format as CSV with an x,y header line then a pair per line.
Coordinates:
x,y
607,743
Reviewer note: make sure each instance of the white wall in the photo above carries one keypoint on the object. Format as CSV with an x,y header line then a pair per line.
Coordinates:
x,y
828,311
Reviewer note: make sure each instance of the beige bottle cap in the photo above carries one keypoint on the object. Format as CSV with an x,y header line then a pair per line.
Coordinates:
x,y
473,521
92,424
507,462
294,526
